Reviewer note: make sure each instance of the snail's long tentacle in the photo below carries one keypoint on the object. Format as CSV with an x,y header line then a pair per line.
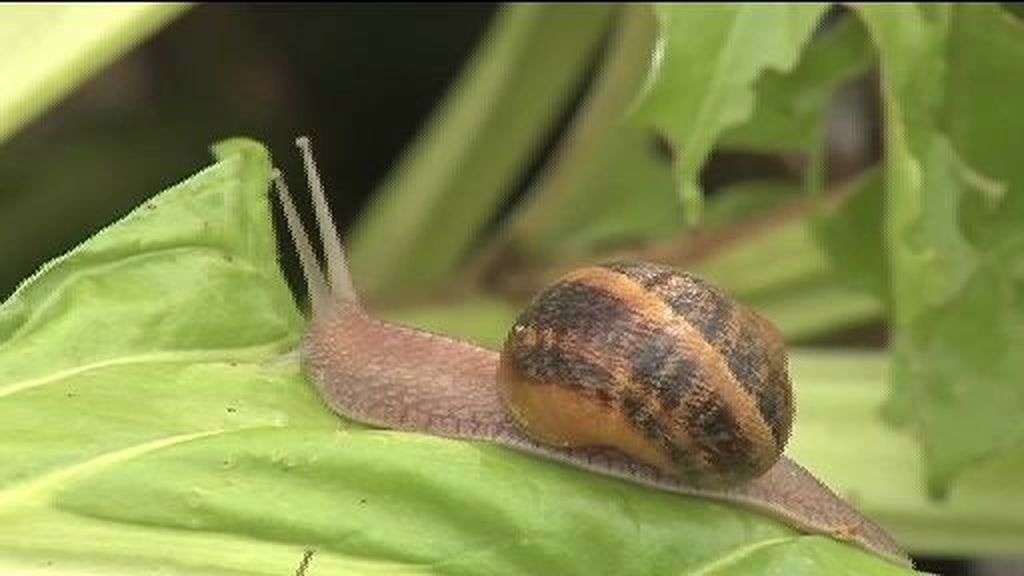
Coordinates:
x,y
315,283
339,280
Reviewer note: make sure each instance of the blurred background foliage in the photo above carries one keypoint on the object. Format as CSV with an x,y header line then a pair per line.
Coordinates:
x,y
854,175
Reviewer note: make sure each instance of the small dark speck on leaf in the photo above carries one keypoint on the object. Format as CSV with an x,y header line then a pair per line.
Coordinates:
x,y
362,500
231,409
70,394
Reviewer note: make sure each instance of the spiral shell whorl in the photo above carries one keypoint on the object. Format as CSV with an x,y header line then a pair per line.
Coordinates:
x,y
656,363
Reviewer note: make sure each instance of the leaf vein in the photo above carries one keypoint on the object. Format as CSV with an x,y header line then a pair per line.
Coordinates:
x,y
737,555
175,356
38,489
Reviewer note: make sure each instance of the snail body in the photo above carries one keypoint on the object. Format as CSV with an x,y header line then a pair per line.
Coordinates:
x,y
631,370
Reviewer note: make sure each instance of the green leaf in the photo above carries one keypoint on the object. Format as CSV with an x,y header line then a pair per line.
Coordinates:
x,y
51,49
607,183
625,196
790,108
851,233
742,266
451,183
481,320
951,80
743,202
154,418
839,395
611,185
703,79
800,291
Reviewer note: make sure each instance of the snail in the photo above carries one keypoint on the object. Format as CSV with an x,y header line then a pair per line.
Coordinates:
x,y
629,369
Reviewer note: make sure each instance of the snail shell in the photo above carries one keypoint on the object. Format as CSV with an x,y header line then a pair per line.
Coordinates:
x,y
656,363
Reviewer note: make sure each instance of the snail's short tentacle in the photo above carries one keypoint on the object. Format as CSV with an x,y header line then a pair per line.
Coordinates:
x,y
315,283
338,278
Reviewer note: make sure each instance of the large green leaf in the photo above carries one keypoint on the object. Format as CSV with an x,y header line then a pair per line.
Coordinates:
x,y
610,184
154,419
953,79
49,50
703,79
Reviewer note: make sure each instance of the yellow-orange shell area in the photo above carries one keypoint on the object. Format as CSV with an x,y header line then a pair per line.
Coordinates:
x,y
579,421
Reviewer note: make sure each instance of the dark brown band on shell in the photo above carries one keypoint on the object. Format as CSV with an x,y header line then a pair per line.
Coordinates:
x,y
737,333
